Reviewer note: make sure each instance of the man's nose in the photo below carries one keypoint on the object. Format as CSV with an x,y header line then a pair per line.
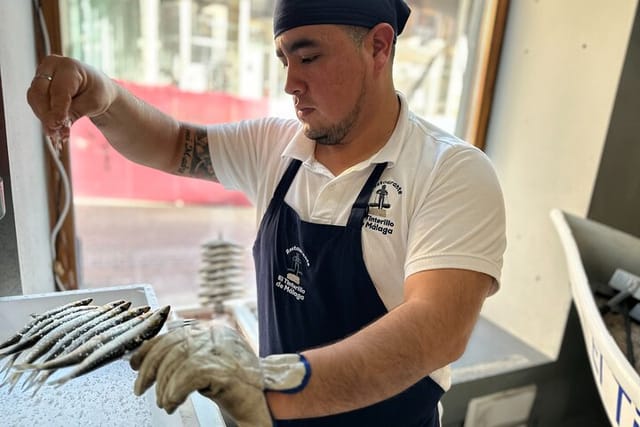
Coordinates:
x,y
293,84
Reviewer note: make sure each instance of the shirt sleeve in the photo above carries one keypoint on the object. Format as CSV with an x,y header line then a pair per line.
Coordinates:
x,y
245,154
459,220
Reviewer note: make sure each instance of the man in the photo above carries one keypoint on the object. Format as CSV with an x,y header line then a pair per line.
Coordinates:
x,y
381,300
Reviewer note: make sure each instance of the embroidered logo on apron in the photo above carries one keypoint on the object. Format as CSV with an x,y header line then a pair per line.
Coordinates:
x,y
382,197
297,261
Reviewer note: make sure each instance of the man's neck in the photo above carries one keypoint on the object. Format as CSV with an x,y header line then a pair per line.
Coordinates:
x,y
369,140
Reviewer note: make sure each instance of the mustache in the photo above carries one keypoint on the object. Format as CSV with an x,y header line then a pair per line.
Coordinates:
x,y
297,101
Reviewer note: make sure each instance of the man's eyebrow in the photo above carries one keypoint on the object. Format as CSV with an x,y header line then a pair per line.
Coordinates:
x,y
296,45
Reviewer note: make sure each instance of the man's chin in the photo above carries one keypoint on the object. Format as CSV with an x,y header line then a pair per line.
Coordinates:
x,y
313,134
319,136
324,140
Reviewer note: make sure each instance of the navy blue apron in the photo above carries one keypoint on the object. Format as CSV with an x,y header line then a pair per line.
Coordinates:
x,y
314,289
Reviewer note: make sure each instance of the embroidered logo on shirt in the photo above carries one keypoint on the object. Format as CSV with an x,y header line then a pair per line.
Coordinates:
x,y
382,196
290,283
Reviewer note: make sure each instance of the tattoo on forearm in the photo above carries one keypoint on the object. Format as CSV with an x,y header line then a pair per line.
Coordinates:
x,y
196,160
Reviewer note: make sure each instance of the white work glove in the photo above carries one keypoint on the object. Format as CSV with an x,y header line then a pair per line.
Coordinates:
x,y
217,362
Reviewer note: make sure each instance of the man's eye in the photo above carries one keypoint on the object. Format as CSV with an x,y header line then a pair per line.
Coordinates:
x,y
308,59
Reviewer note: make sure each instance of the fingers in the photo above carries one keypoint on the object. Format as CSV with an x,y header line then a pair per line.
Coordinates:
x,y
63,90
188,366
52,89
149,357
170,362
190,359
38,97
179,387
192,353
141,352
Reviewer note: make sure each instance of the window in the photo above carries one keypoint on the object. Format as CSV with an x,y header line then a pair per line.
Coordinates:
x,y
212,61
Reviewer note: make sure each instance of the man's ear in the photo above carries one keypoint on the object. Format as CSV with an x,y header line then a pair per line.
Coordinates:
x,y
382,36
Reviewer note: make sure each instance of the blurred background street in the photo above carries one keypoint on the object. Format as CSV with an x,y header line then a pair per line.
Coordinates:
x,y
158,244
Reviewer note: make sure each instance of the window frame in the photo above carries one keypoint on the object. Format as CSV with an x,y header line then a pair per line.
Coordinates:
x,y
65,265
485,72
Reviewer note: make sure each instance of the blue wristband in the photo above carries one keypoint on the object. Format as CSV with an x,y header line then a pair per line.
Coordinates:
x,y
305,379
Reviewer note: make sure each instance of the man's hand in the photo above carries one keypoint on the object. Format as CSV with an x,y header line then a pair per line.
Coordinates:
x,y
64,90
217,362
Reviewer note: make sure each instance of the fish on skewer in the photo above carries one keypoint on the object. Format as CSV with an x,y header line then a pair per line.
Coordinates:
x,y
65,328
75,355
77,334
119,346
106,326
91,326
41,317
220,275
58,333
46,323
33,337
91,339
28,344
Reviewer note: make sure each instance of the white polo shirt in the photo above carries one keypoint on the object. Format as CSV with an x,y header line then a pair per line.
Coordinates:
x,y
438,204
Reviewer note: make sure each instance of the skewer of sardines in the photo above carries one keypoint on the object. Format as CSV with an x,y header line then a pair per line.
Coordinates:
x,y
77,335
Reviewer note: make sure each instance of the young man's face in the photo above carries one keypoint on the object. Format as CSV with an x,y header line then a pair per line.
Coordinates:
x,y
327,75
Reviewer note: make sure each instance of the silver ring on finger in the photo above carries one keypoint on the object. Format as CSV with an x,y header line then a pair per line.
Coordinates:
x,y
44,76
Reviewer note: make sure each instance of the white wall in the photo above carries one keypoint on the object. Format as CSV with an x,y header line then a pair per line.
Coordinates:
x,y
25,147
557,81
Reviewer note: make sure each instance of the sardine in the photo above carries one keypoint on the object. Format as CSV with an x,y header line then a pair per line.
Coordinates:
x,y
58,333
32,334
66,341
45,323
63,357
39,318
65,328
80,353
106,326
35,335
16,350
128,341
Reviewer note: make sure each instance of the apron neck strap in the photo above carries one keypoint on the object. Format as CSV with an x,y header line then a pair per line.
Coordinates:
x,y
360,208
286,180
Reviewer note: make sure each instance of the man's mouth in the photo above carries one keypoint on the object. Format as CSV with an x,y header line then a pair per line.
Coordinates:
x,y
303,112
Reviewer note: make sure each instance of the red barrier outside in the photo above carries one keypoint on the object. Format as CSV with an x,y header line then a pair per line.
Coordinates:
x,y
98,171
